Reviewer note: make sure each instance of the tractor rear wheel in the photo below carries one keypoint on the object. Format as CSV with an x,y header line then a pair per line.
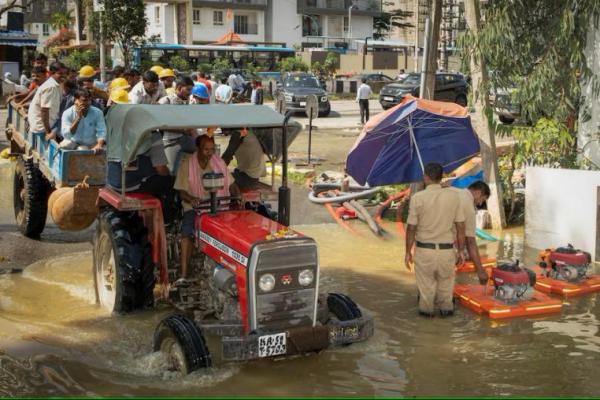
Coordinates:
x,y
30,198
342,307
123,267
183,343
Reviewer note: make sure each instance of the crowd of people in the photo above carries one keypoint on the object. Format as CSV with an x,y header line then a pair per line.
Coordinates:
x,y
68,107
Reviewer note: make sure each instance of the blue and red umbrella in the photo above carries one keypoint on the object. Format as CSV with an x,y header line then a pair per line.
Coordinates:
x,y
395,145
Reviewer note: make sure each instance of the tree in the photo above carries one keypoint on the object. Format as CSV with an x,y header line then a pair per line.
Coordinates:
x,y
124,22
61,19
292,64
382,25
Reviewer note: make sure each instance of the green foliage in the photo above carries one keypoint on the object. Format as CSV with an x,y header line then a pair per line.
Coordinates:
x,y
179,63
61,19
204,68
292,64
537,47
387,19
124,22
78,58
220,67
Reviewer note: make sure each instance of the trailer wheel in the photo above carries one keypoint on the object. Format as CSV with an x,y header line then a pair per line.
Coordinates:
x,y
30,198
342,307
123,268
182,342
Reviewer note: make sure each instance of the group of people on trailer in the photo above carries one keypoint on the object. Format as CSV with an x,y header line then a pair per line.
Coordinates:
x,y
71,112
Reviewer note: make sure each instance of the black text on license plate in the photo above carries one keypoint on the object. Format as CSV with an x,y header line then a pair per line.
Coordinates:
x,y
272,345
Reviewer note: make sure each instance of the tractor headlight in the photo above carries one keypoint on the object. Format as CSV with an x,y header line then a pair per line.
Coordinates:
x,y
306,277
266,282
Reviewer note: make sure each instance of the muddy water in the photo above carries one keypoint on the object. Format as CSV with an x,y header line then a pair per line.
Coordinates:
x,y
54,340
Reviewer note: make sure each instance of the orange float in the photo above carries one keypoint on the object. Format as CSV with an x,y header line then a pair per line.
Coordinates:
x,y
481,300
487,262
590,284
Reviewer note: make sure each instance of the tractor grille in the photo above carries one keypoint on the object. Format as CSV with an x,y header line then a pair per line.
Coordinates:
x,y
289,304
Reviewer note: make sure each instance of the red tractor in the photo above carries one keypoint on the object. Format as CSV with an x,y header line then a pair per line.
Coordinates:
x,y
256,282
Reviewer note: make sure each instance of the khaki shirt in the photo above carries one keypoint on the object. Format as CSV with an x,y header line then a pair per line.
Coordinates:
x,y
467,203
250,157
434,212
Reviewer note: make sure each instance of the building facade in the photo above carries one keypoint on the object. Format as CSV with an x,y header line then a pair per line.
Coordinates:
x,y
36,18
295,23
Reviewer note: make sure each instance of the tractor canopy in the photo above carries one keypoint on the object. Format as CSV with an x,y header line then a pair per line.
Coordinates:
x,y
129,126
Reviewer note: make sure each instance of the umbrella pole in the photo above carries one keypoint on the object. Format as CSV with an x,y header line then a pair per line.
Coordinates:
x,y
414,140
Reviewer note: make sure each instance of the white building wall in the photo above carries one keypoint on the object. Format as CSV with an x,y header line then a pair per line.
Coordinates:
x,y
207,31
286,23
561,207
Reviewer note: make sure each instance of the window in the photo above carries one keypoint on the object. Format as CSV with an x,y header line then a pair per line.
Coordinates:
x,y
217,17
240,24
46,6
346,24
196,16
311,25
157,15
45,30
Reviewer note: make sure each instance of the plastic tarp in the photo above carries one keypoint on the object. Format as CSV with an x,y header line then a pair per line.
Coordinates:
x,y
129,125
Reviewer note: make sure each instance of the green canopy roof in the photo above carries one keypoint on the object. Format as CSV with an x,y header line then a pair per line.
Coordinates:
x,y
129,125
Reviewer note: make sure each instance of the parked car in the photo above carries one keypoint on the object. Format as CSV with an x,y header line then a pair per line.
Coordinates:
x,y
374,77
450,87
504,107
297,86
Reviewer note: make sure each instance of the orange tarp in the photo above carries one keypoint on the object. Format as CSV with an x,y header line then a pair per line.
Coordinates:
x,y
229,37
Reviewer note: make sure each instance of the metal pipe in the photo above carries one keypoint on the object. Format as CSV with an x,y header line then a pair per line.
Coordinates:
x,y
424,63
417,35
102,55
284,190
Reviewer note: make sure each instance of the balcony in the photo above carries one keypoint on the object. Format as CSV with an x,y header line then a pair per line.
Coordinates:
x,y
234,4
340,7
245,29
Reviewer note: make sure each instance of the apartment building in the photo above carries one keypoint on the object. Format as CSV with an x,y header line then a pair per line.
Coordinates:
x,y
36,18
296,23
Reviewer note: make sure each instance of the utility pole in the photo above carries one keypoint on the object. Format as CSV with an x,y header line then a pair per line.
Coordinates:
x,y
432,44
487,139
416,35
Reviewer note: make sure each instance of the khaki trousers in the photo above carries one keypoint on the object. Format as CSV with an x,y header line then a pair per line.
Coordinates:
x,y
435,271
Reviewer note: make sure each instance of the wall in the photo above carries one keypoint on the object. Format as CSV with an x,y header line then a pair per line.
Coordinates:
x,y
286,23
207,31
561,208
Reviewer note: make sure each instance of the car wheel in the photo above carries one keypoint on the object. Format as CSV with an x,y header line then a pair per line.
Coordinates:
x,y
325,113
461,100
506,120
183,343
30,198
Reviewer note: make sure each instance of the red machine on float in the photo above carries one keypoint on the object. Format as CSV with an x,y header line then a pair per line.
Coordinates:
x,y
510,293
566,271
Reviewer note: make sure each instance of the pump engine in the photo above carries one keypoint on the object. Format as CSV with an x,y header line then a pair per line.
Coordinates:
x,y
512,283
566,264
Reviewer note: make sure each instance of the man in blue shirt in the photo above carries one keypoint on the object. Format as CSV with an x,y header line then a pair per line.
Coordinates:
x,y
83,126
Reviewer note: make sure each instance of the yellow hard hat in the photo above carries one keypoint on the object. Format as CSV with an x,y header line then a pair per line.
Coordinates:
x,y
119,83
166,73
170,90
157,69
119,96
87,71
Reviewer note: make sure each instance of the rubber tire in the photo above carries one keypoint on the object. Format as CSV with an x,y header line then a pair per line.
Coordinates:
x,y
190,339
35,204
133,260
325,113
505,120
461,100
343,307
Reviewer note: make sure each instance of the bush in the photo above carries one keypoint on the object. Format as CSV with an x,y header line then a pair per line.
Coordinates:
x,y
79,58
293,64
179,63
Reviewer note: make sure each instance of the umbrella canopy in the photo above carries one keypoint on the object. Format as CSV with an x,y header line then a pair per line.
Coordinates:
x,y
395,146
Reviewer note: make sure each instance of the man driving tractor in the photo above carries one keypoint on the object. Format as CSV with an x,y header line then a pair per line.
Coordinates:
x,y
192,193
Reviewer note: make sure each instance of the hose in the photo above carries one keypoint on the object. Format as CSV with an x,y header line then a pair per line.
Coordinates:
x,y
485,236
315,198
401,197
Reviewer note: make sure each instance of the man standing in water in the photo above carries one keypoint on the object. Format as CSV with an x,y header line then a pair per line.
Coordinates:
x,y
433,216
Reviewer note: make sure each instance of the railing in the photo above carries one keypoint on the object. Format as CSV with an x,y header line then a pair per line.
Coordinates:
x,y
370,6
246,29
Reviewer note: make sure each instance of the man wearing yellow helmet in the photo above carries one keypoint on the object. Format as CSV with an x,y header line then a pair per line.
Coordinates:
x,y
85,80
148,91
157,69
167,77
119,96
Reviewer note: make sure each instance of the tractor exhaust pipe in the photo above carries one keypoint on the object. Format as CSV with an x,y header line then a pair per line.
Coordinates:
x,y
284,190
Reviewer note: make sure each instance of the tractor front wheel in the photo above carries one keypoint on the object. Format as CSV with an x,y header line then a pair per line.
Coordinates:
x,y
30,198
182,343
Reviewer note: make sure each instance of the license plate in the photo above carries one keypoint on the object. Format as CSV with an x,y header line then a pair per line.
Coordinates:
x,y
387,98
302,104
272,345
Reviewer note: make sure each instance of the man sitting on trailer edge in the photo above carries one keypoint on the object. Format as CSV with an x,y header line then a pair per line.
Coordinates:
x,y
83,126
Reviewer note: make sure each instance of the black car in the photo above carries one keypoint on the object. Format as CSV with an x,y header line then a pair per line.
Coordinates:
x,y
448,87
297,86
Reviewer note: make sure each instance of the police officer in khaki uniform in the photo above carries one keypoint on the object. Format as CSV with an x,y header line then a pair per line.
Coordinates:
x,y
434,215
477,193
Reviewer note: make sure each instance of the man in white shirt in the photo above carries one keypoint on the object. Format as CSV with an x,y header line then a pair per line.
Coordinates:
x,y
223,93
43,114
148,91
362,98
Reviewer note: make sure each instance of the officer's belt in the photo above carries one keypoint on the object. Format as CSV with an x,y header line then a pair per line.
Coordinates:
x,y
434,246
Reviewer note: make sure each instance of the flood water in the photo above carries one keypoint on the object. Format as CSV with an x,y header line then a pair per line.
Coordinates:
x,y
55,341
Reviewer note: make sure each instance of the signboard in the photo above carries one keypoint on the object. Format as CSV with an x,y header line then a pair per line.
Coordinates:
x,y
312,106
280,105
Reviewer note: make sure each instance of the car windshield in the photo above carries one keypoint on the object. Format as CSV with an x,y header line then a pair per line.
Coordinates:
x,y
412,79
302,81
